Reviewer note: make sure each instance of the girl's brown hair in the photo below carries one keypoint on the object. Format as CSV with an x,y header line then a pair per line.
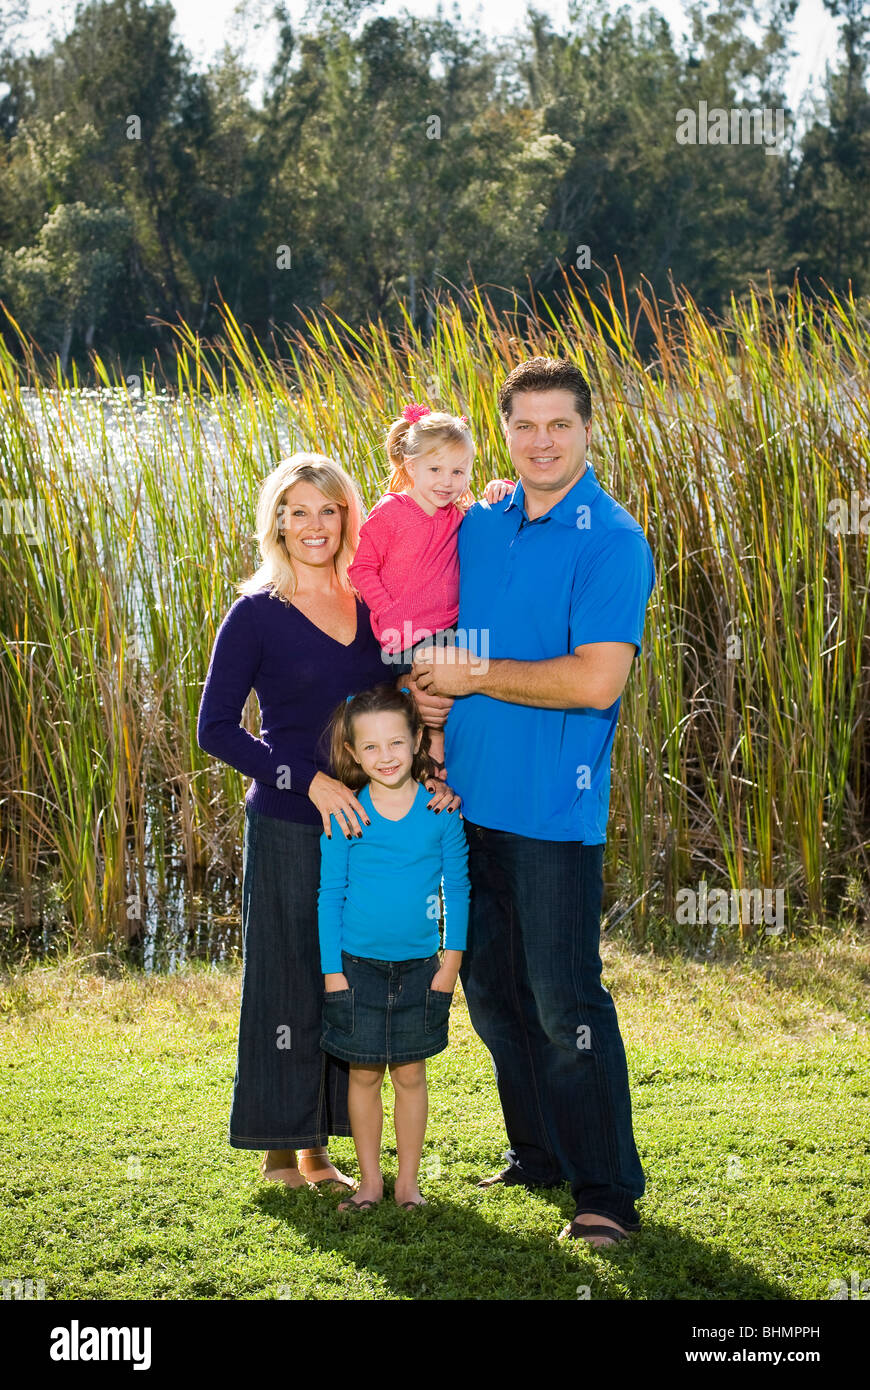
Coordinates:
x,y
381,699
408,439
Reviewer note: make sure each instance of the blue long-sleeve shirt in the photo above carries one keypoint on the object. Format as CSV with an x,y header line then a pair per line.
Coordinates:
x,y
379,894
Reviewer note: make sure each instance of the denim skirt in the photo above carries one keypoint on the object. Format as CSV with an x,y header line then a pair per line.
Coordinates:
x,y
287,1093
388,1013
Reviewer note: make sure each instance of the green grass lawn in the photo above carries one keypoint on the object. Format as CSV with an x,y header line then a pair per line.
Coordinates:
x,y
750,1082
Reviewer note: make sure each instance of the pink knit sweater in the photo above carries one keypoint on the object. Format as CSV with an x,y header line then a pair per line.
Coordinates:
x,y
406,568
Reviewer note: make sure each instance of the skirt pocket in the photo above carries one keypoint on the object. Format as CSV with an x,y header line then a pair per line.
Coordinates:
x,y
437,1010
338,1012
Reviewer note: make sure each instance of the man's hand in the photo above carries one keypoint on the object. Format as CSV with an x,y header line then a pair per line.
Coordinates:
x,y
445,670
333,983
432,708
592,677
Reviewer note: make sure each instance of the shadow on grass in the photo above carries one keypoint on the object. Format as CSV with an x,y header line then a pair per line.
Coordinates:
x,y
479,1247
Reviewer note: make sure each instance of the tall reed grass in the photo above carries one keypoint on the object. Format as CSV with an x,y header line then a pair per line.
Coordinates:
x,y
742,751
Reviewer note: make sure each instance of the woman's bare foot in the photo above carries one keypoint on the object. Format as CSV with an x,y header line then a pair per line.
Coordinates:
x,y
318,1169
279,1165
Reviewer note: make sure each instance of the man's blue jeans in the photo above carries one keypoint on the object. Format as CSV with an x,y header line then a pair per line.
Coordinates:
x,y
532,978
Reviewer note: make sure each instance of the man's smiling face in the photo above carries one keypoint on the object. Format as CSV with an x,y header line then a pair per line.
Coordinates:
x,y
547,440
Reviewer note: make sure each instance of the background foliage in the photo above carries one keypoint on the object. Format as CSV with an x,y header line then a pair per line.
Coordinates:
x,y
560,140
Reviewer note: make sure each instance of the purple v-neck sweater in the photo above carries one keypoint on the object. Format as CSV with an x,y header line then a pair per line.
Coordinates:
x,y
300,675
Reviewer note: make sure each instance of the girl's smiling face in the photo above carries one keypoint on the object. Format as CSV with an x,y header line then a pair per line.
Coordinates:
x,y
384,747
439,476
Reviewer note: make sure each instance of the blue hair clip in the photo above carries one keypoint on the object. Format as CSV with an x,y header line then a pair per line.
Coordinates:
x,y
349,698
403,690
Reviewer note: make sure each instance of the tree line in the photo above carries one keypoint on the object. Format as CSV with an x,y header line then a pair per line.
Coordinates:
x,y
389,159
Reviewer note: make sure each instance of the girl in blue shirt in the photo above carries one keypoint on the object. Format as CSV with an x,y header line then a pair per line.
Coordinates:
x,y
387,995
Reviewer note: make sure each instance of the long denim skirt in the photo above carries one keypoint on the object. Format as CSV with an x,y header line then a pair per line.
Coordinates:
x,y
287,1093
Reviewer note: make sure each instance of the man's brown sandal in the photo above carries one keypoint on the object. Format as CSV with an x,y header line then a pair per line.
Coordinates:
x,y
579,1230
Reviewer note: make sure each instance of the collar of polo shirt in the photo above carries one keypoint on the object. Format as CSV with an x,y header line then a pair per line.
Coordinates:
x,y
565,511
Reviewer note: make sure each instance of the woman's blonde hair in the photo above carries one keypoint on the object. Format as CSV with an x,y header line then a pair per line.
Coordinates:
x,y
382,698
276,569
410,439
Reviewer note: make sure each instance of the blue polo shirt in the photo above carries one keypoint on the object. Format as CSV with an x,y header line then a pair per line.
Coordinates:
x,y
529,590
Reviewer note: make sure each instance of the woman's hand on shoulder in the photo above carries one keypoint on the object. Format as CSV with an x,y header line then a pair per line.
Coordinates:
x,y
333,798
444,798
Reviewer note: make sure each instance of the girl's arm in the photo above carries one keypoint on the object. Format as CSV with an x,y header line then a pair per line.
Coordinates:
x,y
331,895
445,977
235,660
364,571
497,489
389,612
454,870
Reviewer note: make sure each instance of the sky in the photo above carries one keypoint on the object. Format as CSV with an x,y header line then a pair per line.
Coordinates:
x,y
203,25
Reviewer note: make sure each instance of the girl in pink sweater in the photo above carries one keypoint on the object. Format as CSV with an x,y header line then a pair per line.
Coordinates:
x,y
406,566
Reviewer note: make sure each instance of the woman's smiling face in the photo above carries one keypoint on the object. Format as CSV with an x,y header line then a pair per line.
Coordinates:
x,y
312,525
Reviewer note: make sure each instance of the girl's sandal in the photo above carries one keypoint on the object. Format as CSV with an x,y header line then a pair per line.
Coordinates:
x,y
351,1205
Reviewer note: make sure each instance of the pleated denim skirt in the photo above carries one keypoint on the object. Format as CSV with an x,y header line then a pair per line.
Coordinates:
x,y
287,1092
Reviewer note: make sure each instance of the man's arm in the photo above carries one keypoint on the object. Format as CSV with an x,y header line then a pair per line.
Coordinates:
x,y
593,674
593,677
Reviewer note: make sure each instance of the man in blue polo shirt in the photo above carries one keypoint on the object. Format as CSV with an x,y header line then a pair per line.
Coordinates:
x,y
554,584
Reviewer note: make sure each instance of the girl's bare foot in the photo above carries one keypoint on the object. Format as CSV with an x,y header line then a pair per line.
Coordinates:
x,y
279,1165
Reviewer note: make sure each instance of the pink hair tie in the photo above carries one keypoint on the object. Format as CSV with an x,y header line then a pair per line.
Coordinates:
x,y
464,419
414,412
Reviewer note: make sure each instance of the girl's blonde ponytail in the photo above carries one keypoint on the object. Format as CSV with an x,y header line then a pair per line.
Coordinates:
x,y
400,478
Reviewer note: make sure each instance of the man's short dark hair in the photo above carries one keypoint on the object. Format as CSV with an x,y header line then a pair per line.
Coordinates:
x,y
547,374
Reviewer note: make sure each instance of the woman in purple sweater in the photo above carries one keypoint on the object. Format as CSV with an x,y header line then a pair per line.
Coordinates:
x,y
301,639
